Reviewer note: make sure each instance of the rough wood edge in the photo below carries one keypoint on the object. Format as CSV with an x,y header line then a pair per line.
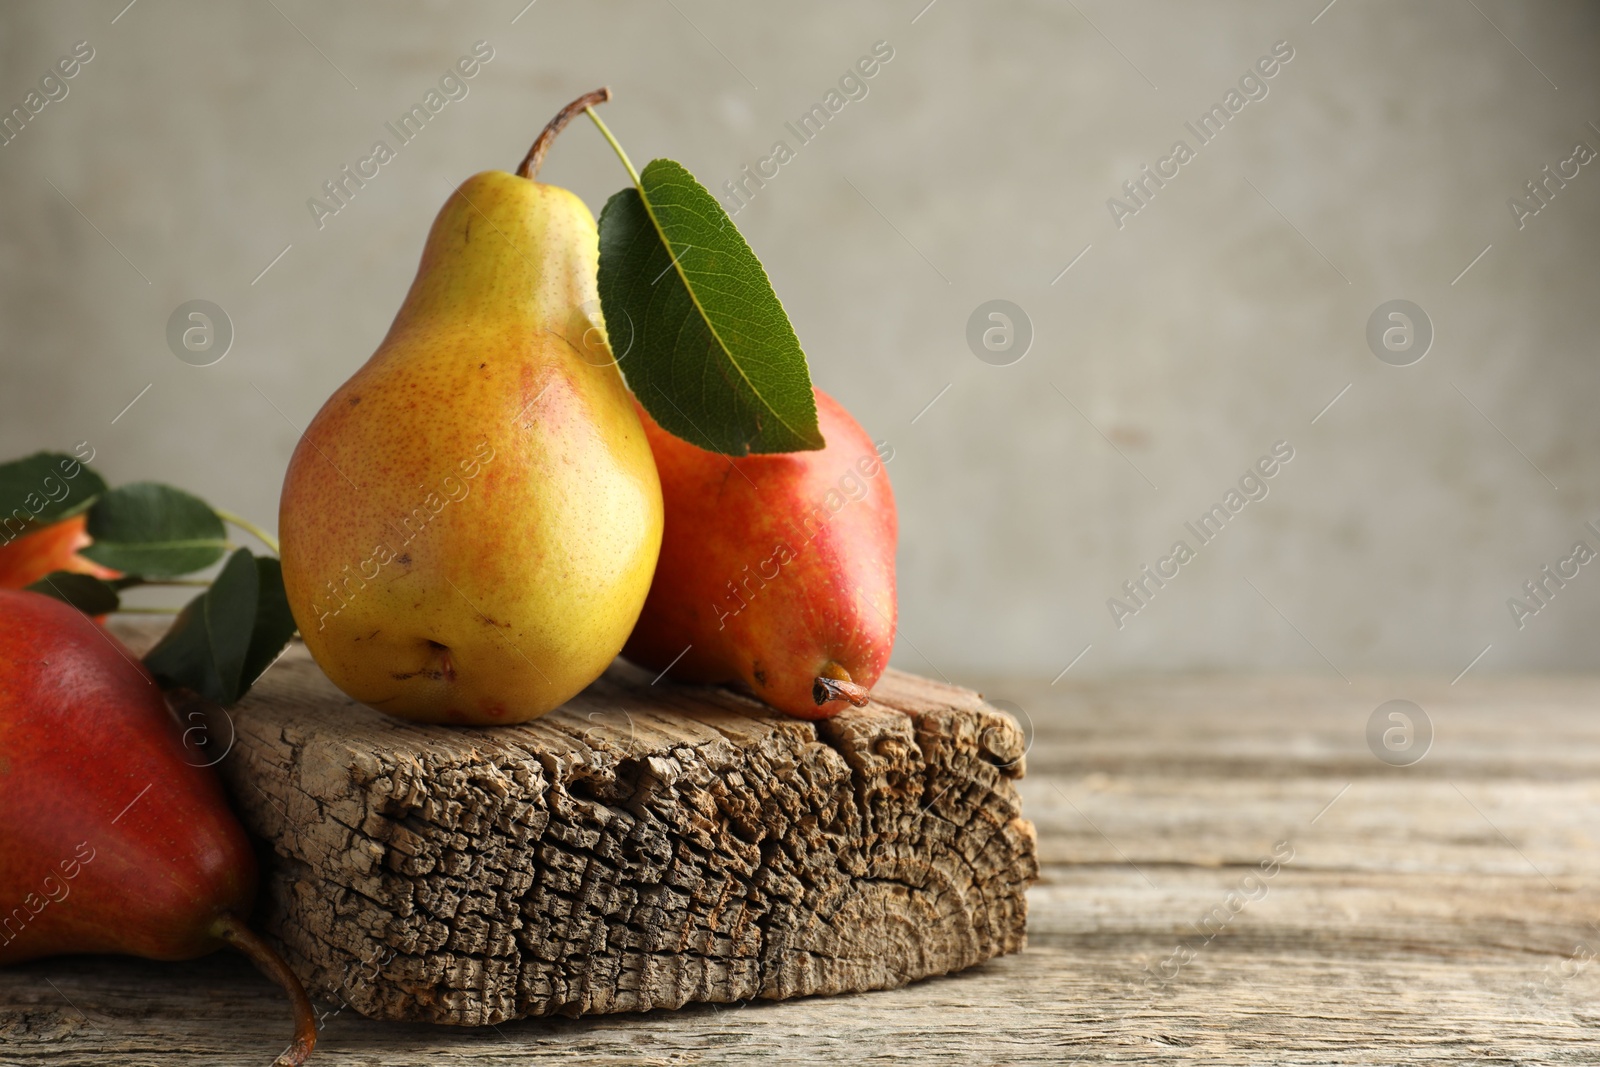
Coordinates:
x,y
642,847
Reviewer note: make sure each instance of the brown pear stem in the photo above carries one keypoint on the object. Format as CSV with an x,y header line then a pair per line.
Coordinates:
x,y
541,144
231,928
824,689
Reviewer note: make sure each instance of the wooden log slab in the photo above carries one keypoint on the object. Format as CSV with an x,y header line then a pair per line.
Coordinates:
x,y
644,846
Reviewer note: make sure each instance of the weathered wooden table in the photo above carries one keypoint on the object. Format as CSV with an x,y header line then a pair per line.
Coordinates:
x,y
1230,875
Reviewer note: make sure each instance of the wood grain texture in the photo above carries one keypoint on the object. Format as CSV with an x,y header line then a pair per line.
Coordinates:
x,y
644,846
1439,913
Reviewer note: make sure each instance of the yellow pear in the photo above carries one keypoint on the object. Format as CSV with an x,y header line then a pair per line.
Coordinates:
x,y
471,523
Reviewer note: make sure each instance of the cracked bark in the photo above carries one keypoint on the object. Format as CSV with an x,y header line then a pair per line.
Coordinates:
x,y
642,847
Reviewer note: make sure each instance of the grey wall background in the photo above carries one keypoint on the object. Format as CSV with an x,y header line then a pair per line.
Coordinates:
x,y
1221,318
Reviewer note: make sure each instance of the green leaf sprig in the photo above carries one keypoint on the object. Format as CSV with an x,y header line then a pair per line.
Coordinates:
x,y
698,331
230,633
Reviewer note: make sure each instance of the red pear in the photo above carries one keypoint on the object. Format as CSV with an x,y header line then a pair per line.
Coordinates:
x,y
37,553
776,571
113,837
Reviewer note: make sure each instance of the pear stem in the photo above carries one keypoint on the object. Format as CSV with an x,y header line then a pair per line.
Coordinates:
x,y
535,158
231,929
626,162
824,689
249,527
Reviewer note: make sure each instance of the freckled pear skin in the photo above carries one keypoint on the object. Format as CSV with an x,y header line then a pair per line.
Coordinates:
x,y
470,524
777,571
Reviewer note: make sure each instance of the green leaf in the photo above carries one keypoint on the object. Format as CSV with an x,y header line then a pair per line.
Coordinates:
x,y
704,341
274,624
85,592
154,530
183,655
230,614
228,635
43,488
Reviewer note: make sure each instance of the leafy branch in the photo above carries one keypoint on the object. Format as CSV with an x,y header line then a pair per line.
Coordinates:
x,y
146,534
